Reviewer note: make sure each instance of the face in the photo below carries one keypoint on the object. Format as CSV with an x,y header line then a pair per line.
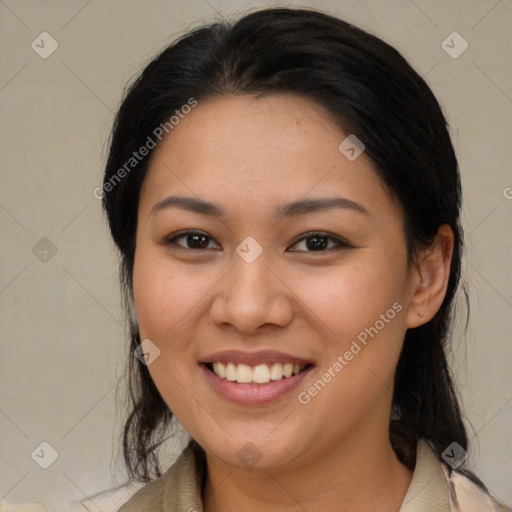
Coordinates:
x,y
266,279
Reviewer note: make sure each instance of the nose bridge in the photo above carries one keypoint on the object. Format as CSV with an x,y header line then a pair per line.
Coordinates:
x,y
250,287
250,271
251,295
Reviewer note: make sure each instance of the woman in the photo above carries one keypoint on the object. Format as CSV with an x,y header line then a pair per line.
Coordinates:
x,y
286,198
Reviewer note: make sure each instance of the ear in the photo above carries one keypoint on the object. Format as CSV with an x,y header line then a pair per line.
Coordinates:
x,y
430,278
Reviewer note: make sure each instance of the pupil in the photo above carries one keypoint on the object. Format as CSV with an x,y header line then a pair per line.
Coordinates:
x,y
318,243
196,238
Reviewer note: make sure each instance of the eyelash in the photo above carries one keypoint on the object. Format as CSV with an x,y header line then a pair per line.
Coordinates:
x,y
339,243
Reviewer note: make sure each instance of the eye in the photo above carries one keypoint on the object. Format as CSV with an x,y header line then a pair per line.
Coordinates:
x,y
193,240
313,242
319,242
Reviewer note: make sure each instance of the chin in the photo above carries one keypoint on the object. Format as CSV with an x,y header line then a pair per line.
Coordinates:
x,y
255,451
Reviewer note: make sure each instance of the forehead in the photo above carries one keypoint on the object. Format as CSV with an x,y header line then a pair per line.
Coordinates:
x,y
252,132
242,149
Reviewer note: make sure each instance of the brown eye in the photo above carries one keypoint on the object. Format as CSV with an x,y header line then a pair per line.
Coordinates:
x,y
319,242
193,240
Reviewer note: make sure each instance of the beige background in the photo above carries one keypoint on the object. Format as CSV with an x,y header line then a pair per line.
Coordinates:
x,y
62,349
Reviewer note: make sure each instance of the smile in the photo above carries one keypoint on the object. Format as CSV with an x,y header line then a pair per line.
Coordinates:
x,y
259,374
254,378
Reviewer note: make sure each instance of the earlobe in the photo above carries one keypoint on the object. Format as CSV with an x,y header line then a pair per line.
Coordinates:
x,y
431,276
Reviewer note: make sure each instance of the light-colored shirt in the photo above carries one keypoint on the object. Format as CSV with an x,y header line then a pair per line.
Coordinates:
x,y
433,488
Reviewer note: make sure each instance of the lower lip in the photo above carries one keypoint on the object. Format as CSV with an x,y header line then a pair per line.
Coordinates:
x,y
254,394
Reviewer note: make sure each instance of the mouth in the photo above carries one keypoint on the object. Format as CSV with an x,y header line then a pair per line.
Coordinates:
x,y
258,374
255,378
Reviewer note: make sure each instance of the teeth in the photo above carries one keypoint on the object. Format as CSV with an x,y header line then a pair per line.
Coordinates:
x,y
230,372
260,374
243,373
276,372
220,370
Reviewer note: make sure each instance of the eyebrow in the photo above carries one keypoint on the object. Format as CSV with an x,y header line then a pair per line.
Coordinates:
x,y
297,208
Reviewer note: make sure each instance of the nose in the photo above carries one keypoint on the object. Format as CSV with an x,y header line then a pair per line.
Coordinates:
x,y
252,297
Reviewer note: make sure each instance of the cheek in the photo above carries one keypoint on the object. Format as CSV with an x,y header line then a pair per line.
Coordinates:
x,y
165,296
361,330
348,298
165,293
360,333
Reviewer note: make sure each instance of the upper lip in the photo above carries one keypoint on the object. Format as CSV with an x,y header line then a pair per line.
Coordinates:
x,y
254,358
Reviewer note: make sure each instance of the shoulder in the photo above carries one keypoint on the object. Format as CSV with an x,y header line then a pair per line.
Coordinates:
x,y
147,498
467,496
436,487
178,486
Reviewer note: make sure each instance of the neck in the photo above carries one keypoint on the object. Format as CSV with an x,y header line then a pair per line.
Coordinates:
x,y
355,476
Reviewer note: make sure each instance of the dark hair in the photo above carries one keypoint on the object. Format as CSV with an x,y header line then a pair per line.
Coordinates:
x,y
371,91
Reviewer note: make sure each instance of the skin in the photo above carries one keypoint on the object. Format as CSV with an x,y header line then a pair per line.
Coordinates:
x,y
250,155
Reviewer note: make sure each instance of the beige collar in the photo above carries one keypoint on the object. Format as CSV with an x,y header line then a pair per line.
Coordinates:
x,y
428,490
